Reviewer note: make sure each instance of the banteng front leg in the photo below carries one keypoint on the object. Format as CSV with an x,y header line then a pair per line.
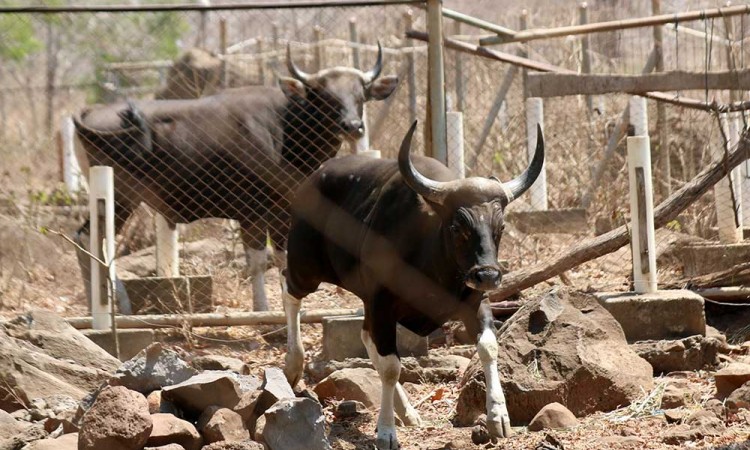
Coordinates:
x,y
256,258
294,361
498,420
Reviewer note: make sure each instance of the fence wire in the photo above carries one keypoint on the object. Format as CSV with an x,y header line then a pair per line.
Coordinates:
x,y
55,66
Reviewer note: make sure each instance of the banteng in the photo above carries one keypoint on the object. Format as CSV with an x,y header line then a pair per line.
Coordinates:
x,y
418,246
238,154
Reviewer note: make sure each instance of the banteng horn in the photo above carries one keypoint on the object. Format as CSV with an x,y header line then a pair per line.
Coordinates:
x,y
372,74
295,71
435,191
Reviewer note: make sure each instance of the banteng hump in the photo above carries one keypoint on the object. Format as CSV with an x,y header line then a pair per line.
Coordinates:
x,y
418,246
238,154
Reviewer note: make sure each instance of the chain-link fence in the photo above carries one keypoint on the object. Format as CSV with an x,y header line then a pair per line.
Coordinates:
x,y
56,66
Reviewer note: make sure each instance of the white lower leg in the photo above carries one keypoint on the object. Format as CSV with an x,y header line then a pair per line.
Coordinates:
x,y
295,357
257,263
498,421
408,415
389,369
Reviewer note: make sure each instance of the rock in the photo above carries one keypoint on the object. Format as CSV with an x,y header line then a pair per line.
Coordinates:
x,y
29,434
166,447
217,362
222,424
260,425
274,388
64,442
118,420
246,408
349,409
156,404
480,435
560,347
678,393
168,429
58,361
9,426
674,415
730,378
553,417
740,397
437,367
362,385
691,353
155,367
706,423
224,445
619,442
716,406
203,390
295,424
54,423
246,383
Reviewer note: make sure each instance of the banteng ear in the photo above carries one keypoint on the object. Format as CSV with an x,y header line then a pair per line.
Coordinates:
x,y
292,87
382,88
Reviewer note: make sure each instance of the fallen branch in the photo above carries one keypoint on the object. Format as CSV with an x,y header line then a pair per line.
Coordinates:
x,y
589,249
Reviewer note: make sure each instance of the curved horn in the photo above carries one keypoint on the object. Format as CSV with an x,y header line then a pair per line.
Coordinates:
x,y
293,69
372,74
523,182
429,189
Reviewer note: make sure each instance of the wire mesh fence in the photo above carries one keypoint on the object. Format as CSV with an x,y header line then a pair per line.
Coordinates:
x,y
222,86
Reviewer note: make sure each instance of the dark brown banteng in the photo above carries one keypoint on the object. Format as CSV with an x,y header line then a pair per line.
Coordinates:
x,y
238,154
418,246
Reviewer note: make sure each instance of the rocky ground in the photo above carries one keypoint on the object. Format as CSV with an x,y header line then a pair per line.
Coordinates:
x,y
571,381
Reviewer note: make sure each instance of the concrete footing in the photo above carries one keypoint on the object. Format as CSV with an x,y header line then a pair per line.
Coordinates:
x,y
131,340
700,259
170,295
341,339
670,314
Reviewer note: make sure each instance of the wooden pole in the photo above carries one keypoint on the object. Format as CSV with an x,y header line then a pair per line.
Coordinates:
x,y
102,244
261,62
455,129
642,238
523,23
411,77
215,319
354,39
725,193
436,80
588,249
583,18
459,73
223,50
275,37
319,57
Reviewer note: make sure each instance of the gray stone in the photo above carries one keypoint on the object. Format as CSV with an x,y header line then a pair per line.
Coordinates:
x,y
275,388
203,390
222,424
341,339
131,340
740,397
9,426
362,385
127,429
168,429
560,347
224,445
672,314
155,367
295,424
691,353
218,362
552,417
434,368
349,409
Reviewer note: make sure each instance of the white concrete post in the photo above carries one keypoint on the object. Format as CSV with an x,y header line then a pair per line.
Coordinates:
x,y
642,237
735,130
363,143
534,116
639,115
72,175
167,251
455,128
726,197
102,245
436,80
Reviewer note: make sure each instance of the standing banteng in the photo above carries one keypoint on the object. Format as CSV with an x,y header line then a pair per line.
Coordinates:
x,y
418,246
238,154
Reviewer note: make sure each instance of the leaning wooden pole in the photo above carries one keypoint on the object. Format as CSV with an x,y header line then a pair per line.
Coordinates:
x,y
589,249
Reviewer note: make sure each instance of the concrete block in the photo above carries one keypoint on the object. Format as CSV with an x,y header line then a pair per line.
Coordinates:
x,y
659,315
170,295
131,340
342,339
700,259
569,221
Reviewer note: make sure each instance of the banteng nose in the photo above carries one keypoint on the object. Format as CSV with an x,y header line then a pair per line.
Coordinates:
x,y
484,278
354,128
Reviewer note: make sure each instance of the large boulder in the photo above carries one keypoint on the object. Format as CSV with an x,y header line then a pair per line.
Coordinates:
x,y
153,368
222,424
206,389
118,420
731,377
561,347
64,442
295,424
690,353
42,356
168,429
358,384
9,426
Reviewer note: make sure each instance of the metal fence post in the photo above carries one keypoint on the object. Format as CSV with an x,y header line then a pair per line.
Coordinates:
x,y
354,39
583,13
642,237
411,75
455,129
639,115
72,175
319,55
261,62
727,194
459,74
534,116
436,81
102,245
